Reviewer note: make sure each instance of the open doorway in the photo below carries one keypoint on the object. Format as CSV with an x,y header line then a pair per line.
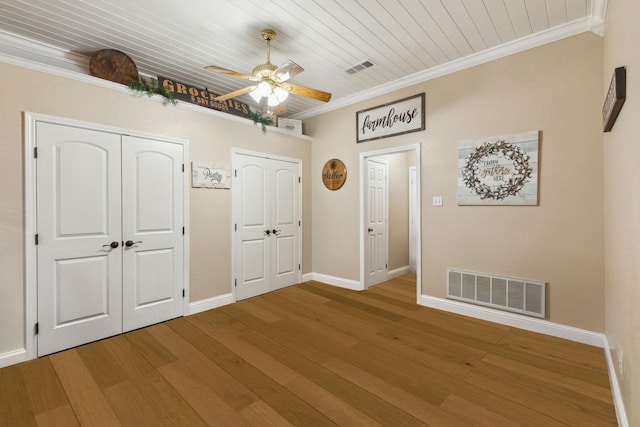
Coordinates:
x,y
390,215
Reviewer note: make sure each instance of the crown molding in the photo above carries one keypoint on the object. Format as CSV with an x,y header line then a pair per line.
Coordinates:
x,y
590,23
598,15
42,53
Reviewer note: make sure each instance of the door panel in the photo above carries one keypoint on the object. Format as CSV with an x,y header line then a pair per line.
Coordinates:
x,y
152,220
81,290
155,190
78,215
285,210
286,255
253,267
72,188
252,177
154,281
376,249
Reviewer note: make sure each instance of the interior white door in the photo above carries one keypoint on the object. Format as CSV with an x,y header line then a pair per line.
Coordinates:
x,y
152,231
79,235
267,222
377,213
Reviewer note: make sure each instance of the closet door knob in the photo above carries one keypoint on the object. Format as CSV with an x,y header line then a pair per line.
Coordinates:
x,y
130,243
112,244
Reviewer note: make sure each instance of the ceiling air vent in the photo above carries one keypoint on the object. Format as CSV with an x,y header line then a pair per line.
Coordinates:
x,y
359,67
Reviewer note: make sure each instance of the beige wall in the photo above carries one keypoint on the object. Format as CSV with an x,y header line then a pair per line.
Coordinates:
x,y
398,209
557,89
211,139
622,204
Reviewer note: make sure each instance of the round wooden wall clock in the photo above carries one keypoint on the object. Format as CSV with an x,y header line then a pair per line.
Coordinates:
x,y
334,174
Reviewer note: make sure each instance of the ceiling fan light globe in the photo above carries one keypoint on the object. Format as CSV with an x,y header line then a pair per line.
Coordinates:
x,y
280,94
272,100
256,95
264,89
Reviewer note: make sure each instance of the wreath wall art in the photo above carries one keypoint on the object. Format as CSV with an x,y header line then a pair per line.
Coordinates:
x,y
500,170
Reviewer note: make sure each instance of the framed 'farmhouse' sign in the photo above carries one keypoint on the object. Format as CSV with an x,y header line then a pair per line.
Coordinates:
x,y
394,118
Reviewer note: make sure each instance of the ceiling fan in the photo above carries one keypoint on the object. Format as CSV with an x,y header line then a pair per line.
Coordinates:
x,y
270,81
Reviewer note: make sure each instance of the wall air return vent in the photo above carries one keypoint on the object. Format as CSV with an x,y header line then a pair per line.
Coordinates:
x,y
504,293
359,67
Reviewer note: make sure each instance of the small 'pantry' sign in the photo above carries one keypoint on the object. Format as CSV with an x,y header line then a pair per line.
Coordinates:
x,y
500,170
394,118
205,175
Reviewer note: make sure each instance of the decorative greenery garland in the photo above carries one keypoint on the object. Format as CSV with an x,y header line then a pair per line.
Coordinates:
x,y
151,88
258,118
522,170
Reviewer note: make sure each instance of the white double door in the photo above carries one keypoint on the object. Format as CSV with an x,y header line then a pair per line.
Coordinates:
x,y
110,234
267,224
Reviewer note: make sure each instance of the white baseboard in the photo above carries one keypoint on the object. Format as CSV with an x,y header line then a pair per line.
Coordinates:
x,y
517,321
12,357
210,303
334,281
615,387
399,272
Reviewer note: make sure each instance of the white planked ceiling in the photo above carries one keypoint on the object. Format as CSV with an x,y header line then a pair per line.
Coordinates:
x,y
406,40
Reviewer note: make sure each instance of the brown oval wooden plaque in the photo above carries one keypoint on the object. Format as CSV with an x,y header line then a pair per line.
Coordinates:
x,y
334,174
113,65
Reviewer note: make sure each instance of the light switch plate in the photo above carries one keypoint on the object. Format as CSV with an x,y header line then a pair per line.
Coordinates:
x,y
437,200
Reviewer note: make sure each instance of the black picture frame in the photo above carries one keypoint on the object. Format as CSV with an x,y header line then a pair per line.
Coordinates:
x,y
616,95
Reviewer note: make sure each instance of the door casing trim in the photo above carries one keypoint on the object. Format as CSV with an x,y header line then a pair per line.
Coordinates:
x,y
364,156
30,210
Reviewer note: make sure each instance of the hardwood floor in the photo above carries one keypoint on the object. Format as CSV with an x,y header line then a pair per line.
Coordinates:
x,y
314,355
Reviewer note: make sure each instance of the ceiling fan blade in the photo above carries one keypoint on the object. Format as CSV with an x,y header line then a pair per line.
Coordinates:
x,y
229,72
235,93
286,71
307,92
